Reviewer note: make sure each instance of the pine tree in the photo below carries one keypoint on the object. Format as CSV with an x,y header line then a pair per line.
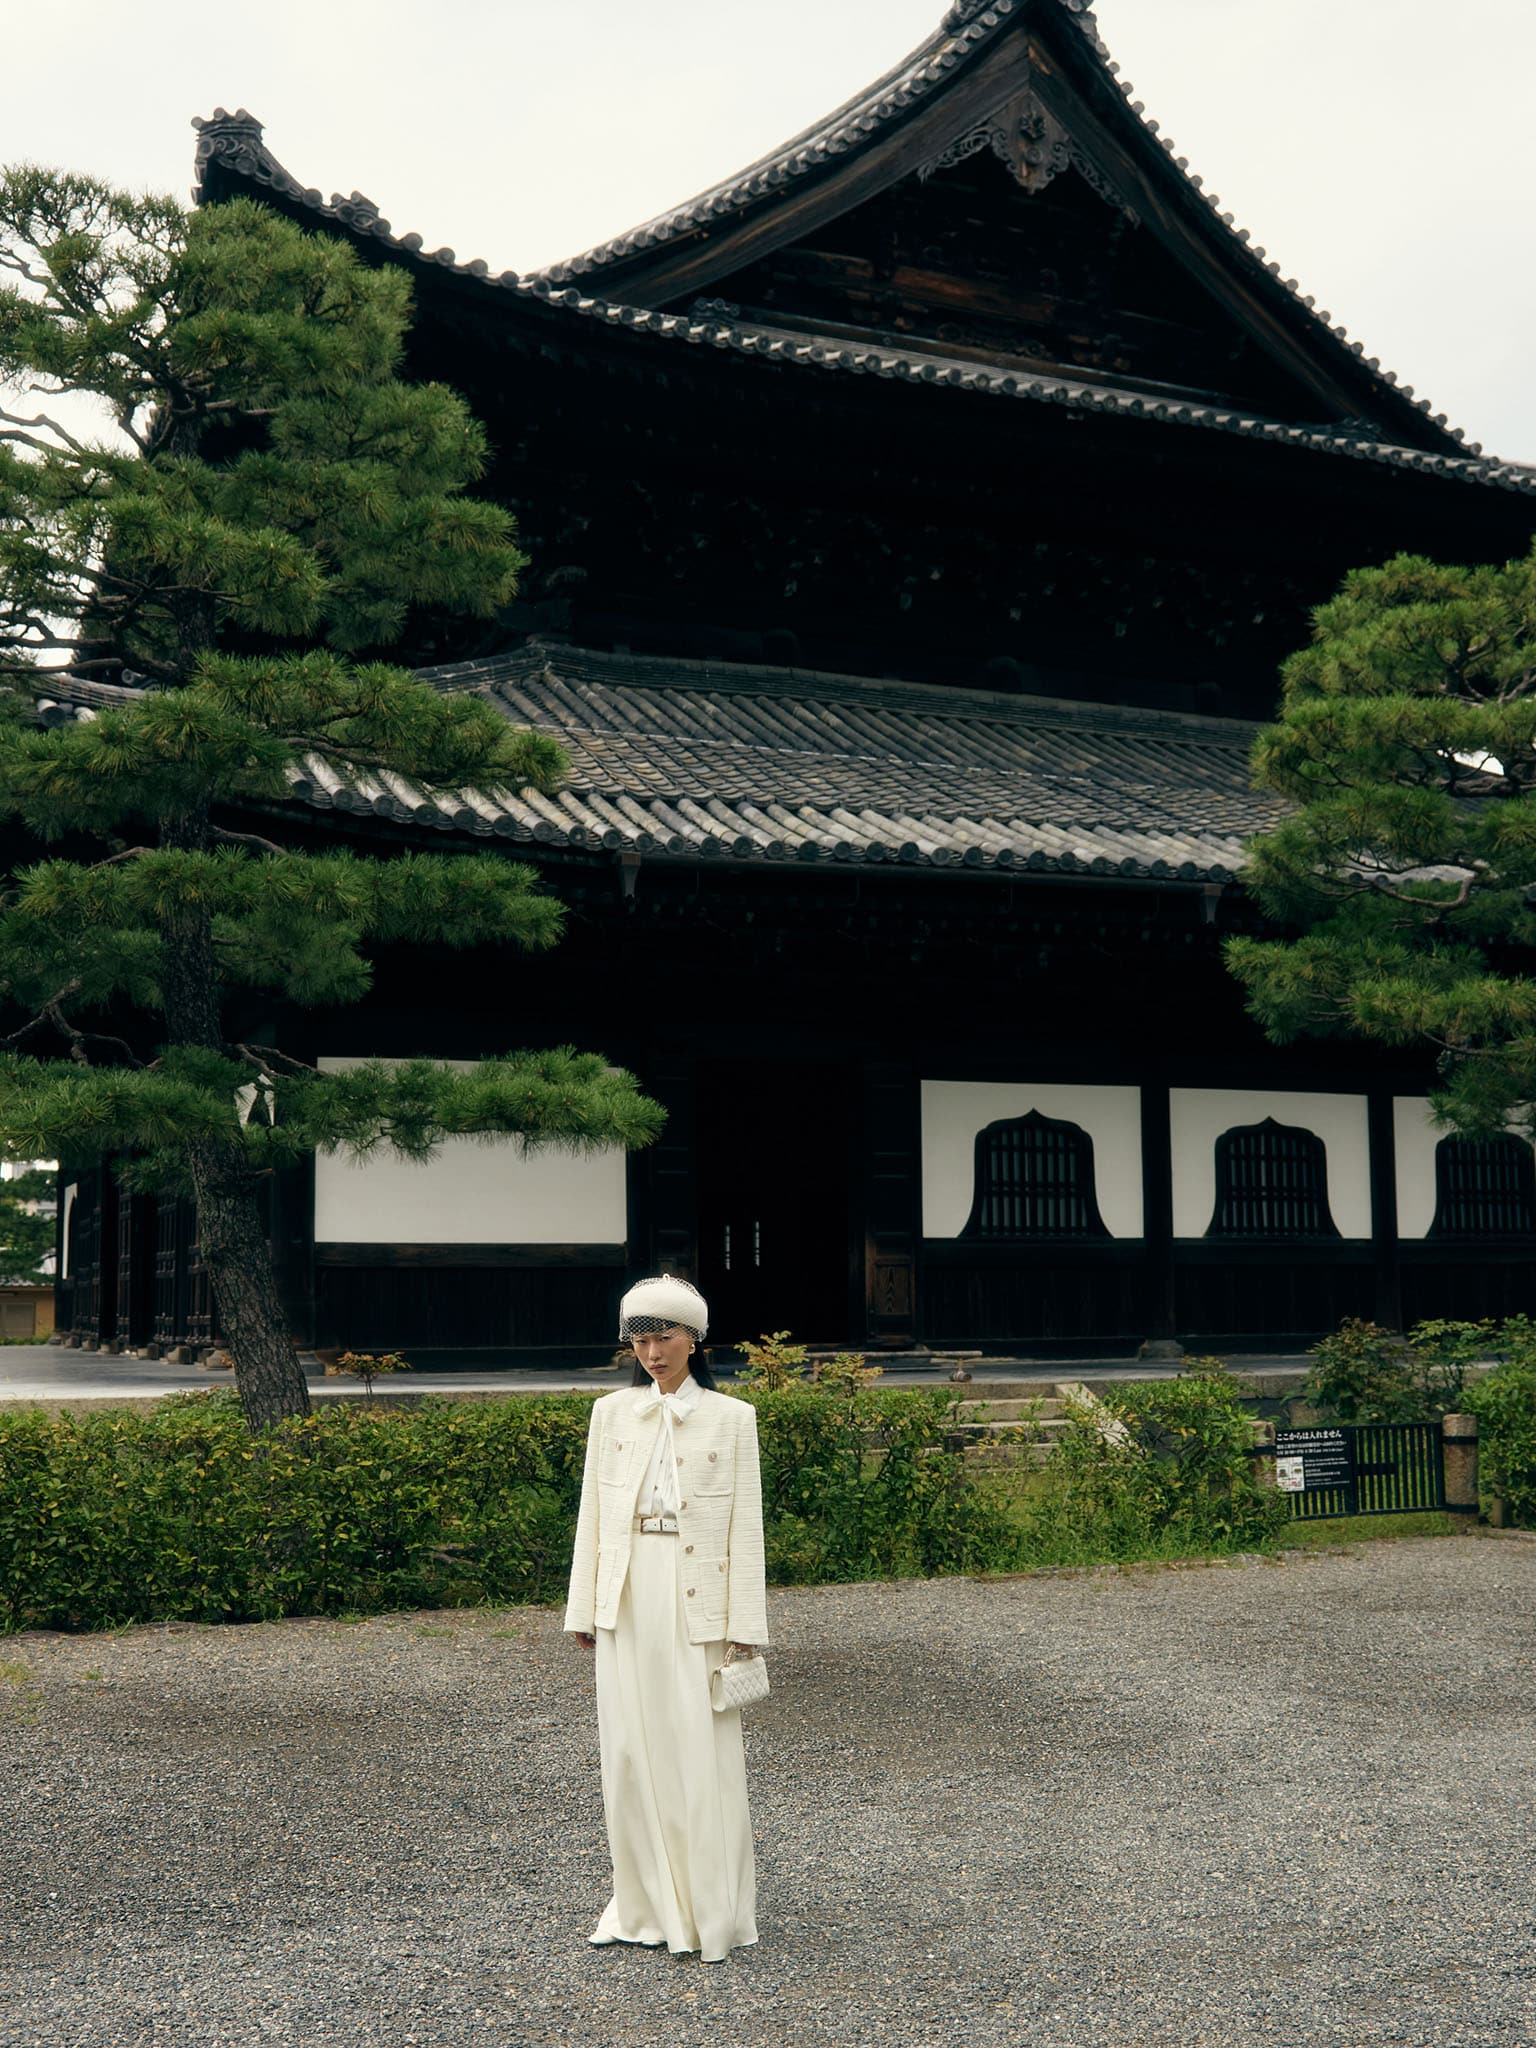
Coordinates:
x,y
26,1228
1407,741
276,509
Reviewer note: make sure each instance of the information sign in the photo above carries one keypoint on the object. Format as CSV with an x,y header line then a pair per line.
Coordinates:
x,y
1307,1460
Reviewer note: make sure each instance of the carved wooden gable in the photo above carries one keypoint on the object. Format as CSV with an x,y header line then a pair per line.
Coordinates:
x,y
1008,251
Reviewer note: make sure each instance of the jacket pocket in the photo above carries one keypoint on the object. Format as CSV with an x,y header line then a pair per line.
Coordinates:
x,y
613,1460
711,1472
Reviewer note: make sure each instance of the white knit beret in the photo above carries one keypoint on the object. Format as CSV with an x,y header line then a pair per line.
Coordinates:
x,y
665,1300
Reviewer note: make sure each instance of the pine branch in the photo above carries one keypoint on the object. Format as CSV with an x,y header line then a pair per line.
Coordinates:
x,y
12,426
248,839
51,1014
268,1056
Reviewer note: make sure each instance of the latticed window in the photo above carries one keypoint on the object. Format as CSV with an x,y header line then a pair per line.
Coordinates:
x,y
1034,1178
1484,1187
1271,1181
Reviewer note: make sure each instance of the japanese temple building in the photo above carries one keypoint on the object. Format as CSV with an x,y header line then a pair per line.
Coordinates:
x,y
916,521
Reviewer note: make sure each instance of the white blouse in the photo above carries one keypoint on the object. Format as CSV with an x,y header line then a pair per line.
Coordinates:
x,y
658,1489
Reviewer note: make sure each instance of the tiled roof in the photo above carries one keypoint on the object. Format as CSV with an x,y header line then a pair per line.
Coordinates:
x,y
715,762
964,30
235,143
912,366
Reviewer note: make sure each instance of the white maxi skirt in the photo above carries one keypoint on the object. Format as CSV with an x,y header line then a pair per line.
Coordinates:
x,y
674,1774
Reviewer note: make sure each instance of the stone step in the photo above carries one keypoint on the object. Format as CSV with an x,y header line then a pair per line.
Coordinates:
x,y
1042,1407
1022,1428
1000,1457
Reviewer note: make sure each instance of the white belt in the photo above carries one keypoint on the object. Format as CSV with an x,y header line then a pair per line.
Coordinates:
x,y
656,1525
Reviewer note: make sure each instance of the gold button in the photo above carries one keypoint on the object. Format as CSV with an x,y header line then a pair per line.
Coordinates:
x,y
682,1503
712,1456
722,1566
688,1550
690,1592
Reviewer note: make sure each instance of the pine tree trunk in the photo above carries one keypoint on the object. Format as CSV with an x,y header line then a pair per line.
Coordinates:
x,y
238,1257
230,1233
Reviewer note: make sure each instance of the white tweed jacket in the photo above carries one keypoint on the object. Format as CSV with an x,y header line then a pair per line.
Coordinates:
x,y
719,1515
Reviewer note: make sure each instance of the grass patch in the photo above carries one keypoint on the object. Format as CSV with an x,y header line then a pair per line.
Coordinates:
x,y
1335,1529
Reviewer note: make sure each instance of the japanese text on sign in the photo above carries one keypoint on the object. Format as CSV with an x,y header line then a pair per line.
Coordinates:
x,y
1309,1459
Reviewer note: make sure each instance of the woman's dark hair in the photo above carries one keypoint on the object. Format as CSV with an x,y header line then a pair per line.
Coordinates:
x,y
698,1365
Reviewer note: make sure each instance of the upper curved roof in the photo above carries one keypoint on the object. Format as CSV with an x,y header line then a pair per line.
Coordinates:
x,y
626,283
964,32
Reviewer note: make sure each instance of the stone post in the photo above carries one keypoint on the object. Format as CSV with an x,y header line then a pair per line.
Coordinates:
x,y
1263,1452
1458,1450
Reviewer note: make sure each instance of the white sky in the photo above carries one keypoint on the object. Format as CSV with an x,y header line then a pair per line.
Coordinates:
x,y
1379,149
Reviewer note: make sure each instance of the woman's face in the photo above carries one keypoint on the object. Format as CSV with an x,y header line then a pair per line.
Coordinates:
x,y
664,1354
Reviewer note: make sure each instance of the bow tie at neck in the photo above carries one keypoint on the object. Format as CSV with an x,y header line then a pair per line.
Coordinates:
x,y
673,1404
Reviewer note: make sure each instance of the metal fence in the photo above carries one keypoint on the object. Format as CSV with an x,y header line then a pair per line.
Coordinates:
x,y
1374,1468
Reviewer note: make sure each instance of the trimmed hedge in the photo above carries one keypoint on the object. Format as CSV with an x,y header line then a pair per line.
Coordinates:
x,y
170,1513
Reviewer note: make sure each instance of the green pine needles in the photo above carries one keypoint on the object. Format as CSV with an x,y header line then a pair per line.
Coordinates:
x,y
1407,739
277,507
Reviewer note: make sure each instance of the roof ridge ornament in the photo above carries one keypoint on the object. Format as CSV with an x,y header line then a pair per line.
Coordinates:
x,y
228,138
1036,148
963,12
222,122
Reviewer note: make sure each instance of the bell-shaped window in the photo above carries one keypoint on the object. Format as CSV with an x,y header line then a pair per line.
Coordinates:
x,y
1484,1187
1271,1182
1034,1179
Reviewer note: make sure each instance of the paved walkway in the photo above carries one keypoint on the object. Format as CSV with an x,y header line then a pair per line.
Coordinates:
x,y
1258,1805
51,1372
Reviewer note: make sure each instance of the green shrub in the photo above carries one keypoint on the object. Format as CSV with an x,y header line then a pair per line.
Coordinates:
x,y
1189,1469
1362,1374
859,1483
169,1513
1365,1373
1158,1469
1504,1402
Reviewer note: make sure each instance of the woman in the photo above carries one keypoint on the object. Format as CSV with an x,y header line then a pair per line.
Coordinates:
x,y
667,1570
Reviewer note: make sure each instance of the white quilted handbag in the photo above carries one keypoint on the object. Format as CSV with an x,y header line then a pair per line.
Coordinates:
x,y
738,1682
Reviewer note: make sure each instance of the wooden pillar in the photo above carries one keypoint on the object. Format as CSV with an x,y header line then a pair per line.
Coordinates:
x,y
1383,1145
135,1307
892,1165
1159,1297
93,1260
173,1235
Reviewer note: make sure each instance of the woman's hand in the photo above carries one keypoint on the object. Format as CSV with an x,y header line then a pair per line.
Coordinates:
x,y
582,1637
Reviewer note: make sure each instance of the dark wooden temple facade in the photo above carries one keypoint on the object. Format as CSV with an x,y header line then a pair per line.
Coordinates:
x,y
917,521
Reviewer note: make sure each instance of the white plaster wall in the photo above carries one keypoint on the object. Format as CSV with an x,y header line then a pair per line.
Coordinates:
x,y
954,1111
1198,1116
1416,1136
470,1192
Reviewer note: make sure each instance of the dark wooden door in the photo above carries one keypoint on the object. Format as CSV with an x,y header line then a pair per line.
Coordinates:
x,y
772,1150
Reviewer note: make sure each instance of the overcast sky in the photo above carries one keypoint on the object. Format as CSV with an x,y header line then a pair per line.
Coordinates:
x,y
1379,149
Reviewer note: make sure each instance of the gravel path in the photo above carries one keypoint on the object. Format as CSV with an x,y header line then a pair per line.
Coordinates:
x,y
1285,1803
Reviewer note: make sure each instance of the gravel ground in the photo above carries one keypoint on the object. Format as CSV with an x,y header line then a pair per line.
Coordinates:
x,y
1287,1803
